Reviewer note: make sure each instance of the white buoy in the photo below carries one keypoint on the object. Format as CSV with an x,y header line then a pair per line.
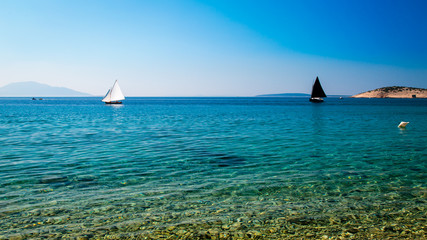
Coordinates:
x,y
403,124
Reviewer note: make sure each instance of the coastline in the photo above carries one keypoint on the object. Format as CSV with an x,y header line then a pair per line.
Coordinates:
x,y
394,92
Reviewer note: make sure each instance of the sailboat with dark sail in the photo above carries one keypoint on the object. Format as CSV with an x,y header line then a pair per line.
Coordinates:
x,y
317,93
114,95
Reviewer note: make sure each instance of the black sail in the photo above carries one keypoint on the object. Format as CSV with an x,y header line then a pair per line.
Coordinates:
x,y
317,91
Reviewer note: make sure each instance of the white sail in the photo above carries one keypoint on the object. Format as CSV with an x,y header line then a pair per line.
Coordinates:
x,y
107,96
114,94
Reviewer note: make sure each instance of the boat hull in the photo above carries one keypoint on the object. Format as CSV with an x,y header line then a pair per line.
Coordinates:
x,y
316,100
113,102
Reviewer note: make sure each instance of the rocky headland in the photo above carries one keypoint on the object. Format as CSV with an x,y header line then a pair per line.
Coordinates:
x,y
394,92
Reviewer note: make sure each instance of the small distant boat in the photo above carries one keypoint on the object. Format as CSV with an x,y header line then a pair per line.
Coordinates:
x,y
403,124
317,93
114,95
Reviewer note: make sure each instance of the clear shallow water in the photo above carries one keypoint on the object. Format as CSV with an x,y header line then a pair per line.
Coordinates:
x,y
213,168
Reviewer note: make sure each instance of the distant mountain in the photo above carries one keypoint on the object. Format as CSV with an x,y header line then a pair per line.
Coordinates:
x,y
394,92
285,95
35,89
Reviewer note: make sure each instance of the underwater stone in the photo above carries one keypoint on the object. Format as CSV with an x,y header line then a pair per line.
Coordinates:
x,y
352,230
53,179
171,228
253,234
236,226
18,236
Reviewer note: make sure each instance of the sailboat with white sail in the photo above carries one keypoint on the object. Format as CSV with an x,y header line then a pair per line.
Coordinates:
x,y
114,95
317,93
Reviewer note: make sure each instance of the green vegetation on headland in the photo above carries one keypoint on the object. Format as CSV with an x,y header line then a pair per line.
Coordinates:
x,y
394,92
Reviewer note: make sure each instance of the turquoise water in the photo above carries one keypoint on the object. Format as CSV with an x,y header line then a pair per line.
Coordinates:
x,y
213,168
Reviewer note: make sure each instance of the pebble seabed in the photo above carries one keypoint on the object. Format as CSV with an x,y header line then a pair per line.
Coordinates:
x,y
359,214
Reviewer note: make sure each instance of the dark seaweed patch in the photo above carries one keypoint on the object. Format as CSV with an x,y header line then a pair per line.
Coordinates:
x,y
222,160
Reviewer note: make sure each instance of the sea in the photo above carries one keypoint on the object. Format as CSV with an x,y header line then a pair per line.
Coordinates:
x,y
213,168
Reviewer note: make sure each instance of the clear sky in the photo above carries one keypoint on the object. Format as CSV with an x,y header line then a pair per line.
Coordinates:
x,y
214,47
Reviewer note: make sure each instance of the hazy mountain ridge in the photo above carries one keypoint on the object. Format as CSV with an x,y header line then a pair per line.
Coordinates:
x,y
394,92
35,89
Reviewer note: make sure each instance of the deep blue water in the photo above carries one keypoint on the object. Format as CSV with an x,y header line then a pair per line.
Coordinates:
x,y
69,165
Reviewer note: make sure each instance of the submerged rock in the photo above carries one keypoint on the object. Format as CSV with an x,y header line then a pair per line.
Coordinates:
x,y
50,179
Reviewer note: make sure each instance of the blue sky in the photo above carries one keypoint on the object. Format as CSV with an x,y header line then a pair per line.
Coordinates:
x,y
214,47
